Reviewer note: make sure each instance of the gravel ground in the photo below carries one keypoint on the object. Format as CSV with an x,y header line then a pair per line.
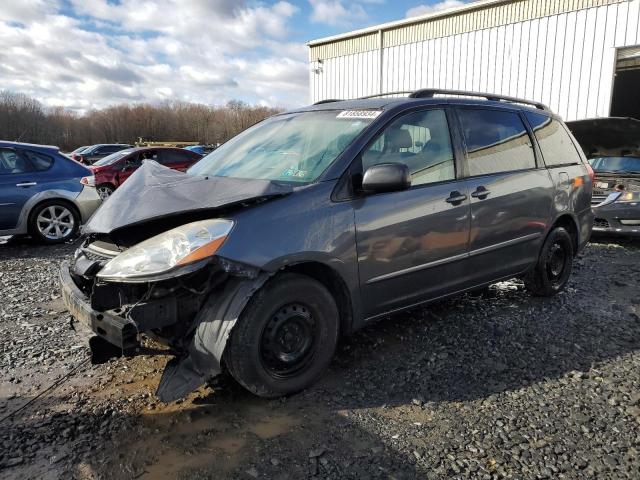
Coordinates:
x,y
500,385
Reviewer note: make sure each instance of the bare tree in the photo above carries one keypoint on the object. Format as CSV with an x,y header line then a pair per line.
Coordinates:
x,y
24,119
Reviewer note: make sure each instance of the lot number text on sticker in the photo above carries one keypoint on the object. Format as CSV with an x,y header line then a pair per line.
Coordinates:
x,y
364,114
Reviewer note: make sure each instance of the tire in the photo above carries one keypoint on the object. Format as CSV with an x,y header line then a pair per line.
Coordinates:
x,y
553,269
295,310
105,190
53,221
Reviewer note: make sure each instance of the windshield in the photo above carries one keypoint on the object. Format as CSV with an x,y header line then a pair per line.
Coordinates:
x,y
80,149
295,147
113,158
616,164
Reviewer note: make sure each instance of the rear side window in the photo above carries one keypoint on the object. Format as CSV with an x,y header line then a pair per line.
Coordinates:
x,y
555,143
496,141
168,157
40,161
12,163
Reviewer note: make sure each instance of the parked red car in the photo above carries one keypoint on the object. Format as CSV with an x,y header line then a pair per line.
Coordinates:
x,y
111,171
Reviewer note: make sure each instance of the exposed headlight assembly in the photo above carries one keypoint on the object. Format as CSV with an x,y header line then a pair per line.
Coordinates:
x,y
173,253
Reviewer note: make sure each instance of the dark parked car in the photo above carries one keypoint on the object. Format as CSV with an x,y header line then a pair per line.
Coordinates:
x,y
43,193
312,223
75,154
613,148
92,154
111,171
201,149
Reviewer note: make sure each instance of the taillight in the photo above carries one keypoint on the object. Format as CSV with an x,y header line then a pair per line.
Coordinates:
x,y
89,181
592,174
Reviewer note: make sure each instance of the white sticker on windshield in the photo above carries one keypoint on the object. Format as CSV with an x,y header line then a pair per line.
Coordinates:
x,y
365,114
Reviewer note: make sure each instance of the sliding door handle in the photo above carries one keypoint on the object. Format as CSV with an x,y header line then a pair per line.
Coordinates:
x,y
456,198
481,193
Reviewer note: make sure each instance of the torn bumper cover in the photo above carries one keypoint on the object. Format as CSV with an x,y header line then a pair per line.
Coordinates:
x,y
195,325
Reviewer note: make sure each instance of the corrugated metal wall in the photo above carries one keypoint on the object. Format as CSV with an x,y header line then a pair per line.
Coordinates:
x,y
566,60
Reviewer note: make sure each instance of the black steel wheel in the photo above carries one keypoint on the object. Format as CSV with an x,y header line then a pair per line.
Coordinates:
x,y
553,269
285,338
289,340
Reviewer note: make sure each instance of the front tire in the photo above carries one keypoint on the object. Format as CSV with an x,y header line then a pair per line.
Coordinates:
x,y
53,221
553,269
285,338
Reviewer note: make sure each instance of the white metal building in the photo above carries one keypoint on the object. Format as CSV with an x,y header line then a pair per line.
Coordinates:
x,y
580,57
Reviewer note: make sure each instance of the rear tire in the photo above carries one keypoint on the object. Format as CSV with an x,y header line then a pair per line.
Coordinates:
x,y
105,190
53,221
553,269
285,338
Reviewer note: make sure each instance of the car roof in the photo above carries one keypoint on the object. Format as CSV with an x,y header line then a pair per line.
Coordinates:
x,y
139,149
387,103
35,146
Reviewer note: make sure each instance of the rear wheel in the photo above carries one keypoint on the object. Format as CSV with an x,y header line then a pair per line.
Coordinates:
x,y
54,221
105,190
551,274
285,338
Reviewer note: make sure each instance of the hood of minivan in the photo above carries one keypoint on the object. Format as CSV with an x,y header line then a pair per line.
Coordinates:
x,y
607,137
155,193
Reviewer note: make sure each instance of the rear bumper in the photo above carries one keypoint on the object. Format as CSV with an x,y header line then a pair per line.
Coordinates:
x,y
117,331
87,202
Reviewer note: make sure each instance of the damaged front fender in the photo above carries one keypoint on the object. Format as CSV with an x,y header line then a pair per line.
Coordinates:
x,y
211,329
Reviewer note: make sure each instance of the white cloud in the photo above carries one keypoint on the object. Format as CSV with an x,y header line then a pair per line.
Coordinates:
x,y
435,7
208,51
335,13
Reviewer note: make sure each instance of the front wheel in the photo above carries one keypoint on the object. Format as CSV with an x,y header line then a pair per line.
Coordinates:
x,y
285,338
553,269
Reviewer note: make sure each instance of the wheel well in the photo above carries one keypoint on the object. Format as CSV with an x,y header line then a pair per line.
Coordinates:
x,y
569,224
334,283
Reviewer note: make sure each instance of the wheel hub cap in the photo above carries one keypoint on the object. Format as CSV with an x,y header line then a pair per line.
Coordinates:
x,y
55,222
556,261
288,340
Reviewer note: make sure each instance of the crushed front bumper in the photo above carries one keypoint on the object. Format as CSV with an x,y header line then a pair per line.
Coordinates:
x,y
117,331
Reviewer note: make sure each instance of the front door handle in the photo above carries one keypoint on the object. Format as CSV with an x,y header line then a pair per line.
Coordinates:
x,y
456,198
26,184
481,193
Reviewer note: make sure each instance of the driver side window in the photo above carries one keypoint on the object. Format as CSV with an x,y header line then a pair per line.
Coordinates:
x,y
420,140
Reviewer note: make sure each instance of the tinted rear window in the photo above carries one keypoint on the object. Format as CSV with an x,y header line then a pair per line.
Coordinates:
x,y
496,141
40,161
555,143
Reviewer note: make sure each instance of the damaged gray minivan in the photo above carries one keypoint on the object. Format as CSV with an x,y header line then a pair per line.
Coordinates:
x,y
312,223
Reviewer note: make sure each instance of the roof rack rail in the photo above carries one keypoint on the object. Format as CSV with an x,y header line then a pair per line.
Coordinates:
x,y
402,92
328,100
430,92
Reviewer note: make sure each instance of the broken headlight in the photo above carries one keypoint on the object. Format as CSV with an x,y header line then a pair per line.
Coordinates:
x,y
176,252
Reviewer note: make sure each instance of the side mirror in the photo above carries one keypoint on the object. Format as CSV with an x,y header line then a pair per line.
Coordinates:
x,y
386,177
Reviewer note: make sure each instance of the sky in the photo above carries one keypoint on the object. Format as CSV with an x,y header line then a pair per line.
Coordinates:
x,y
86,54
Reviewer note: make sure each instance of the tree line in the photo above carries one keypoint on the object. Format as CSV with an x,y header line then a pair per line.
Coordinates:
x,y
25,119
